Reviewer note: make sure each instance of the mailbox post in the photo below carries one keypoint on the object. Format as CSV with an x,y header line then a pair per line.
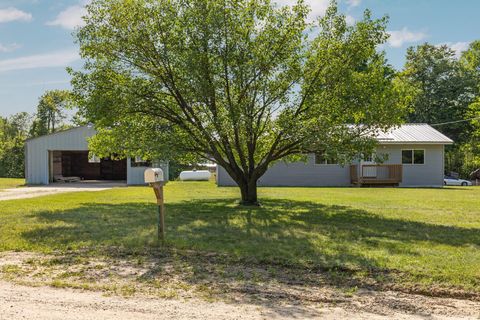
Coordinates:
x,y
154,177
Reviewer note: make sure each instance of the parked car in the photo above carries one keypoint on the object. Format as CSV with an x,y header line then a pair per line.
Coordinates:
x,y
451,181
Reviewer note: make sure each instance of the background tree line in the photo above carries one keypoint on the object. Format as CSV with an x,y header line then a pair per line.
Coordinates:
x,y
51,116
445,91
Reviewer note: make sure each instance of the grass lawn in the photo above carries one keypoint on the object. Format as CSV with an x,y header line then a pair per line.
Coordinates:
x,y
6,183
412,239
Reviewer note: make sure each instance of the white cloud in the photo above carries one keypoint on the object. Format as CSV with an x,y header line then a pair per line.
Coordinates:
x,y
400,37
353,3
70,18
13,14
350,20
48,60
318,7
8,47
458,47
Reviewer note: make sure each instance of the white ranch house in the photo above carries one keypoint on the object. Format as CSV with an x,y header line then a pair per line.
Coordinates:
x,y
415,158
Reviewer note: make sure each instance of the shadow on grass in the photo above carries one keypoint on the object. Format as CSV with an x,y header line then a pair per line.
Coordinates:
x,y
217,234
281,229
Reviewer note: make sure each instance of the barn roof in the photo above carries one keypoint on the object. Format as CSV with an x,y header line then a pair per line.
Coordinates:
x,y
60,132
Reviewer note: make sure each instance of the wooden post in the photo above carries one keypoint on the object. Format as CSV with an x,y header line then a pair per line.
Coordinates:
x,y
158,189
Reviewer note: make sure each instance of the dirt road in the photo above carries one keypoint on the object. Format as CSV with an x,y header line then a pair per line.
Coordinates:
x,y
41,303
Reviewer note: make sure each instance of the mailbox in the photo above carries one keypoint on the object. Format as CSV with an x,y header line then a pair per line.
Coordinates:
x,y
154,175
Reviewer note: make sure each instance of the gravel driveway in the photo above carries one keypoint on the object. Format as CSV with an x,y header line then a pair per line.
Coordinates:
x,y
55,188
42,303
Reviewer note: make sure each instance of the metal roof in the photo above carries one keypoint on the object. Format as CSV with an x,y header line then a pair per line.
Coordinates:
x,y
414,133
58,132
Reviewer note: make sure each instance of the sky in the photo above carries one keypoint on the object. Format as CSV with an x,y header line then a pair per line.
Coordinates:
x,y
37,43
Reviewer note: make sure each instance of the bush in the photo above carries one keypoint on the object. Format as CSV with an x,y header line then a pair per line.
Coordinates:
x,y
12,159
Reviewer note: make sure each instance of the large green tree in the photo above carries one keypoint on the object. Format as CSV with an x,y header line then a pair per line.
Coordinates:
x,y
51,112
444,89
469,158
243,82
447,92
470,58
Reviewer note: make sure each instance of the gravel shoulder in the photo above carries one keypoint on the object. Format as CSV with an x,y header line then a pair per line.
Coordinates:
x,y
39,287
38,303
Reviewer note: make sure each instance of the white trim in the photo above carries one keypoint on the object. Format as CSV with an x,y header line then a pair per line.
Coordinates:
x,y
384,142
26,163
443,164
46,179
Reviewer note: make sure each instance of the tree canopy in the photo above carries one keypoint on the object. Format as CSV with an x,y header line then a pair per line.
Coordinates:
x,y
243,82
444,88
445,93
470,60
13,132
50,115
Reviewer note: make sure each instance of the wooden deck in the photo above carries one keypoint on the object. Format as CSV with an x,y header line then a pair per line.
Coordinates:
x,y
376,174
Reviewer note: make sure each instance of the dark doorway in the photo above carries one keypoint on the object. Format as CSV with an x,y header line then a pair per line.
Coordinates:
x,y
113,169
77,164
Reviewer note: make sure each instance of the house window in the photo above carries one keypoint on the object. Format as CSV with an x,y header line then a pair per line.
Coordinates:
x,y
369,157
93,159
140,162
322,158
418,156
413,156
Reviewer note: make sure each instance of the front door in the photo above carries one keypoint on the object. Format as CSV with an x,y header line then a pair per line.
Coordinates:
x,y
368,165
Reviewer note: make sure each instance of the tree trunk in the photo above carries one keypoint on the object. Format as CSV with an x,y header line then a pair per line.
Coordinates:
x,y
249,193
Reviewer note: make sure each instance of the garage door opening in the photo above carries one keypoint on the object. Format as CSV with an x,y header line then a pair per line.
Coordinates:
x,y
76,164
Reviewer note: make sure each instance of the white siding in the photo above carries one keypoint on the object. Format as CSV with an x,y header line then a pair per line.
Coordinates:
x,y
311,174
36,151
36,155
429,174
135,174
306,174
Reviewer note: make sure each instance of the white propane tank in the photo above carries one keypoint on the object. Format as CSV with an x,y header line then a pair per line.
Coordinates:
x,y
199,175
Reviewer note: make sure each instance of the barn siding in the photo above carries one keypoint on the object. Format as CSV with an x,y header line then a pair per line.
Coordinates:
x,y
37,169
75,139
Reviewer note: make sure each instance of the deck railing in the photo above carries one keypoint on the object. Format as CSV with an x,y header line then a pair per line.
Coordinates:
x,y
376,174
